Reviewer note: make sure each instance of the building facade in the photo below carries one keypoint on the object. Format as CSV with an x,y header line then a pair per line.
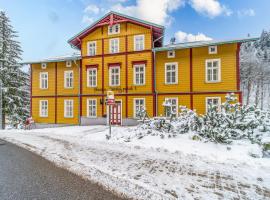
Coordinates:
x,y
126,55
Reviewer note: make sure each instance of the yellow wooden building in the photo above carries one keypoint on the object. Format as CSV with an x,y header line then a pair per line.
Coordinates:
x,y
127,56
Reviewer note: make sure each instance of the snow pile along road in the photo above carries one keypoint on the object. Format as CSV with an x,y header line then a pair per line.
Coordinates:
x,y
152,168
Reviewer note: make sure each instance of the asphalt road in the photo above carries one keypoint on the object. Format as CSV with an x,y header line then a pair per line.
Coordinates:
x,y
24,175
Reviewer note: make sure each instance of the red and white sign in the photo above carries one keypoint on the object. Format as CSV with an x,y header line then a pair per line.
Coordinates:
x,y
110,101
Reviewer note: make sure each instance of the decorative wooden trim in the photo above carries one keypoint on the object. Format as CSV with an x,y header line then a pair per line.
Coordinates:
x,y
91,66
118,54
118,64
139,62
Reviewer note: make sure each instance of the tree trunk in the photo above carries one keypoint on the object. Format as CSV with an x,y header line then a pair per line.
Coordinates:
x,y
262,92
248,91
257,93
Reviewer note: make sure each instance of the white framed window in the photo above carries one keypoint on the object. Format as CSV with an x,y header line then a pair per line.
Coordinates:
x,y
43,80
138,42
215,101
68,63
43,108
43,65
68,108
139,74
114,76
212,70
171,73
92,108
212,49
139,105
68,79
114,29
92,77
171,106
114,45
171,54
91,48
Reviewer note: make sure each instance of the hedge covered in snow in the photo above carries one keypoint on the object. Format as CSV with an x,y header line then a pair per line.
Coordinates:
x,y
230,122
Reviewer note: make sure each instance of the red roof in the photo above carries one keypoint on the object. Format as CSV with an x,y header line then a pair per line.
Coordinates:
x,y
113,18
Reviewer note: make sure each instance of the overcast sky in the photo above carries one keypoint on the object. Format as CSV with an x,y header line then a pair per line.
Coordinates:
x,y
44,26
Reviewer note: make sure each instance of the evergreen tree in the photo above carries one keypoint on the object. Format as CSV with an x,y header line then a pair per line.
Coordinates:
x,y
15,82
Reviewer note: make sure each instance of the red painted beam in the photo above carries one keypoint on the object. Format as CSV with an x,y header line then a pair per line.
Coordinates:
x,y
191,77
31,88
126,56
55,99
102,75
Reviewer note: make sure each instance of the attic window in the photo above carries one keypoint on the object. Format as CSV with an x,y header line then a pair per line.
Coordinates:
x,y
68,63
171,54
212,49
114,29
43,65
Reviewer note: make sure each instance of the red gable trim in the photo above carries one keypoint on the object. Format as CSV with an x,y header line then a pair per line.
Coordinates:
x,y
139,62
114,64
91,66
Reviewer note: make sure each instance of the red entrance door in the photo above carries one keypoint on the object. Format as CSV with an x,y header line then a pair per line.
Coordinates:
x,y
116,111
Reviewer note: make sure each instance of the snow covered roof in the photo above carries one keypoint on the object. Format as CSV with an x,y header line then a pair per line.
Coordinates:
x,y
74,56
187,45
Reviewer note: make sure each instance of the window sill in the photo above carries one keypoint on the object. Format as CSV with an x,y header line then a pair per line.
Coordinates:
x,y
43,116
68,117
212,81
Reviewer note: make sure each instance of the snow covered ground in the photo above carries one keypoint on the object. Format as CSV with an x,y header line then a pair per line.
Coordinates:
x,y
152,168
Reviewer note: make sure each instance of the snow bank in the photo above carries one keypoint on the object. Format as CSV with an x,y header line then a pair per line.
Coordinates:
x,y
151,167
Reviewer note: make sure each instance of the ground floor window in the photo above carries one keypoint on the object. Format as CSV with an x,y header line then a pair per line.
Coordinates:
x,y
139,105
171,107
91,108
214,101
43,108
68,108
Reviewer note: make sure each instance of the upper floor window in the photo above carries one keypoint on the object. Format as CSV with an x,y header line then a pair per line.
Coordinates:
x,y
68,79
43,83
139,74
171,73
138,42
212,101
212,49
171,107
114,29
92,77
91,48
213,73
68,63
91,108
114,45
139,105
68,108
43,65
171,54
114,76
43,108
